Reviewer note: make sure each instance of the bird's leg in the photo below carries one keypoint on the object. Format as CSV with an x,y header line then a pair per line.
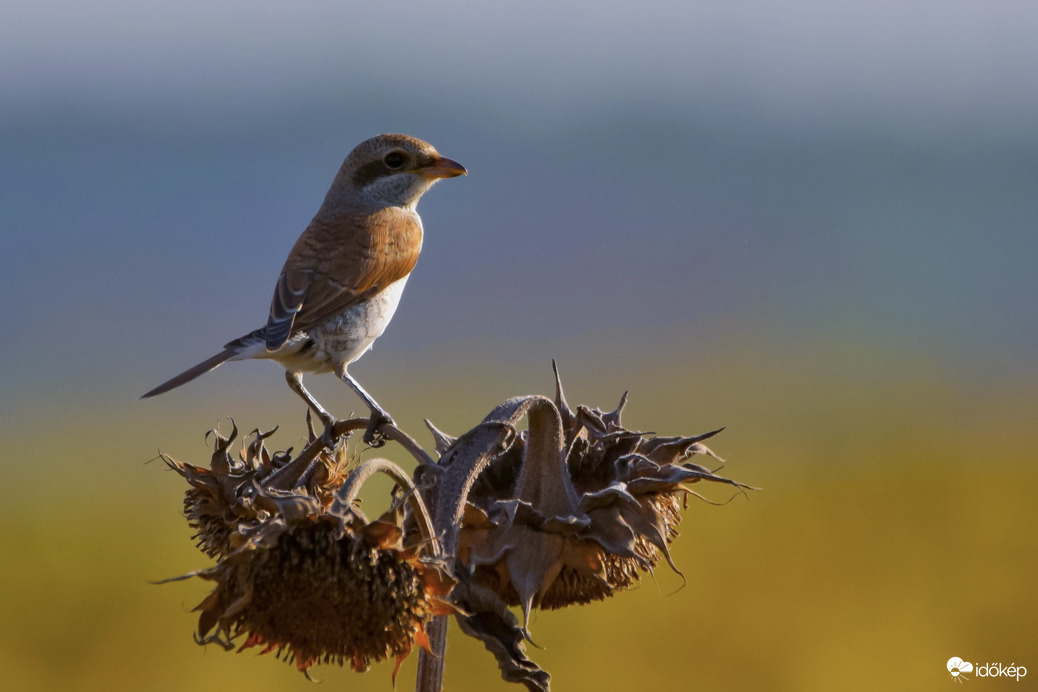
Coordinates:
x,y
295,383
378,414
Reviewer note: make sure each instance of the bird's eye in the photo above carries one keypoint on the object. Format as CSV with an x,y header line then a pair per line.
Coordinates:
x,y
394,160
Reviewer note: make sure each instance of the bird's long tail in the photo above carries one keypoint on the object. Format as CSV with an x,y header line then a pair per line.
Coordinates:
x,y
191,373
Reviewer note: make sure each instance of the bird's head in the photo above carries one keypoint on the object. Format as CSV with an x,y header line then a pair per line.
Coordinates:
x,y
394,169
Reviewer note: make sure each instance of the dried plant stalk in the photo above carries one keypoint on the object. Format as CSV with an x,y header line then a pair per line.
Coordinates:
x,y
571,510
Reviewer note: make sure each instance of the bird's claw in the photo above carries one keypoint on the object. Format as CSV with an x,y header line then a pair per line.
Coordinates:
x,y
374,436
328,437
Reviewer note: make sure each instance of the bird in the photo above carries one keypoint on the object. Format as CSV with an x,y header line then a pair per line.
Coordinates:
x,y
343,278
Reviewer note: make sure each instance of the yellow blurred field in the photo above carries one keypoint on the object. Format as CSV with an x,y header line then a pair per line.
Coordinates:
x,y
893,531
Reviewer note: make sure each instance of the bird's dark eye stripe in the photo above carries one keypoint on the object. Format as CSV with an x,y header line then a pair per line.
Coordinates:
x,y
372,171
394,159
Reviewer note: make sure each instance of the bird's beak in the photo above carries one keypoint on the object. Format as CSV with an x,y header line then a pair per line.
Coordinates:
x,y
442,167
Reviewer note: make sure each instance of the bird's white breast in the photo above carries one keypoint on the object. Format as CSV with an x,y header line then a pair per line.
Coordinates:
x,y
343,338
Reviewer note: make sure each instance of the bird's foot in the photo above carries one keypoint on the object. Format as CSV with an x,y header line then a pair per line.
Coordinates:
x,y
373,435
328,436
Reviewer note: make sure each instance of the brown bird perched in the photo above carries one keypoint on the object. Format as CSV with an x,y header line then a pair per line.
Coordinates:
x,y
343,279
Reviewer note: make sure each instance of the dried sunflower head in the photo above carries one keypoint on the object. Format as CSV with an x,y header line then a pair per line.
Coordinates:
x,y
225,497
300,570
577,507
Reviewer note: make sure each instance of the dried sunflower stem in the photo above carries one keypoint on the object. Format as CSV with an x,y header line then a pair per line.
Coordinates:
x,y
460,467
348,492
297,472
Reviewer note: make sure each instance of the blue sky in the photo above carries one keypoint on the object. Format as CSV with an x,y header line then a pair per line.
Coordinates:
x,y
808,61
800,171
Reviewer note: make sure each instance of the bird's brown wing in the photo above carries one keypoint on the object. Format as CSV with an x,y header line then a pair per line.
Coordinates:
x,y
338,263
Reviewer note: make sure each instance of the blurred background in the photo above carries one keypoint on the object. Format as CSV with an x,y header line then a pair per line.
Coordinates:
x,y
813,223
